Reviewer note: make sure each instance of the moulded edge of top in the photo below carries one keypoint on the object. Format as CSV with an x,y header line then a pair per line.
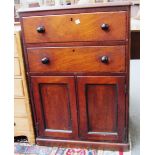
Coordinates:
x,y
75,6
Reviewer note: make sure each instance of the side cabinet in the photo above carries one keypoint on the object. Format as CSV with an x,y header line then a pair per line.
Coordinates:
x,y
77,66
23,125
55,104
101,107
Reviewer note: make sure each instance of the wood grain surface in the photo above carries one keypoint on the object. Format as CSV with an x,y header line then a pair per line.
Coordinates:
x,y
76,27
55,103
77,59
77,99
101,107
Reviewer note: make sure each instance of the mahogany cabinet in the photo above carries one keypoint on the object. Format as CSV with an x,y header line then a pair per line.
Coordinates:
x,y
77,66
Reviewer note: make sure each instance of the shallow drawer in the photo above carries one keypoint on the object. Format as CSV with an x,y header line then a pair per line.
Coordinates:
x,y
20,107
75,27
15,46
17,71
18,88
77,59
21,124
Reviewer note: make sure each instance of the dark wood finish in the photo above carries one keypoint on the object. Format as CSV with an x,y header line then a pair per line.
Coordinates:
x,y
105,27
55,103
101,108
40,29
83,144
75,27
45,60
76,7
77,59
72,10
80,68
88,43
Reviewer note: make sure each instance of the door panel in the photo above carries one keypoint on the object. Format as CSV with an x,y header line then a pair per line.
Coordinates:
x,y
55,103
101,108
97,95
55,99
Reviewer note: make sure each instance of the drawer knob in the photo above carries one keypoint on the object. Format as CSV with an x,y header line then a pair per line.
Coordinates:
x,y
105,27
45,60
41,29
68,3
104,59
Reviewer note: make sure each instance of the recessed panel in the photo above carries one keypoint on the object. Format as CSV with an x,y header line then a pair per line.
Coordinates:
x,y
102,107
56,106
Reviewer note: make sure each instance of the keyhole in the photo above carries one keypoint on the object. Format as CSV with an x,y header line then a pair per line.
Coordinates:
x,y
73,50
71,19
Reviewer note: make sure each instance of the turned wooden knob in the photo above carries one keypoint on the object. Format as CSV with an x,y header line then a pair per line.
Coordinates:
x,y
104,59
45,60
41,29
105,27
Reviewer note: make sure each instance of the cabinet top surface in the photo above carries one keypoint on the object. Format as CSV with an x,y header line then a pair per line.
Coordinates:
x,y
75,6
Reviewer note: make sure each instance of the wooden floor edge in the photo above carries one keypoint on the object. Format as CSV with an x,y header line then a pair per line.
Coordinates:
x,y
83,144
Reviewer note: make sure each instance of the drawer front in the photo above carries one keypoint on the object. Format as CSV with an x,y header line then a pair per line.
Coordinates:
x,y
77,59
17,71
20,107
21,124
15,46
76,27
18,88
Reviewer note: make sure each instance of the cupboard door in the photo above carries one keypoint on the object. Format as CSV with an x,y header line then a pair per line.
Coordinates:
x,y
55,105
101,108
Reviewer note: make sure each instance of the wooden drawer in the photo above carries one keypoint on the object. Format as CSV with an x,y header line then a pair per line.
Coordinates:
x,y
28,134
15,46
17,71
21,124
20,107
77,59
18,88
76,27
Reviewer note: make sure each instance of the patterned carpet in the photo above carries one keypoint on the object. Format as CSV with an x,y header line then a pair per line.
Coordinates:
x,y
24,149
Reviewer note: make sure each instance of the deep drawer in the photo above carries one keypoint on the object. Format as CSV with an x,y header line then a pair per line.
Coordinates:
x,y
76,27
77,59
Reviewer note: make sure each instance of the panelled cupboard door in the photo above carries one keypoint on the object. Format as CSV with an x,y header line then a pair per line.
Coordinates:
x,y
55,105
101,108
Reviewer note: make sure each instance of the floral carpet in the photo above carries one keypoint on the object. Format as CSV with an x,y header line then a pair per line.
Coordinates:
x,y
24,149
